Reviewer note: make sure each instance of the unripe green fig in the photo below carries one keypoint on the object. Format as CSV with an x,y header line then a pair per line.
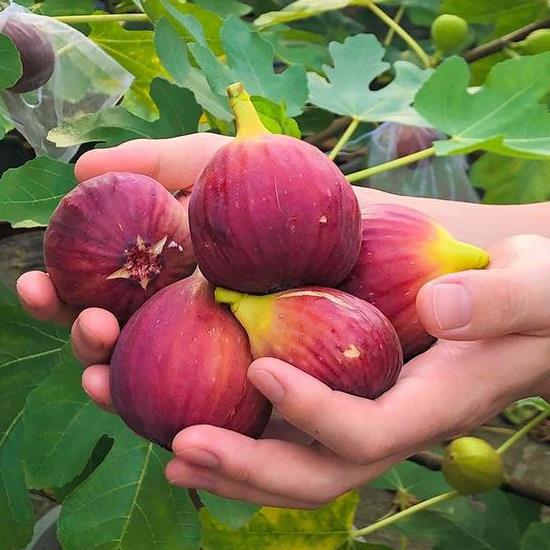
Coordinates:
x,y
537,42
472,466
448,32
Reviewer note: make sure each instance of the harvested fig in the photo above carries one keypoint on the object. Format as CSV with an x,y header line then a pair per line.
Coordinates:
x,y
402,249
182,360
36,52
335,337
272,212
472,466
115,240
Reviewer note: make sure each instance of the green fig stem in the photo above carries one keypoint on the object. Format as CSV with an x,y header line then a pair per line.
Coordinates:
x,y
344,138
227,296
465,255
391,165
522,431
391,31
246,116
398,29
103,18
404,513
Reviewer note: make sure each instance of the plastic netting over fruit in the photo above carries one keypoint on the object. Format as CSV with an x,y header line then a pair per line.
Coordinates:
x,y
78,79
437,177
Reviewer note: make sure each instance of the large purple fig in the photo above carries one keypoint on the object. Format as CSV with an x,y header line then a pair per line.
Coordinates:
x,y
36,52
182,360
115,240
272,212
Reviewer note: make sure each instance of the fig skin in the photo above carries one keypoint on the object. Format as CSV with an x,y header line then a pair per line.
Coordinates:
x,y
36,52
271,212
335,337
402,249
472,466
182,360
115,240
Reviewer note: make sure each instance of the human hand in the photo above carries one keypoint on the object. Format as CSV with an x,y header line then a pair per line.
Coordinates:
x,y
96,331
494,348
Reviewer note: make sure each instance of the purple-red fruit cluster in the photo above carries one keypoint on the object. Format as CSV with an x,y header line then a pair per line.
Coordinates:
x,y
268,214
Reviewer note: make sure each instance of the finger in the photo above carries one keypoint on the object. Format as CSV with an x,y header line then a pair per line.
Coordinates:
x,y
299,398
93,335
277,467
39,298
194,477
175,162
96,383
473,305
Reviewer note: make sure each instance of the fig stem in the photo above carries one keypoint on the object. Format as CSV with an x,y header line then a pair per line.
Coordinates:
x,y
398,29
391,165
227,296
344,138
107,17
522,431
246,117
391,30
404,513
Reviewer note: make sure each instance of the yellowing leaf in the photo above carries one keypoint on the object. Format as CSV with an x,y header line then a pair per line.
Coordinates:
x,y
277,528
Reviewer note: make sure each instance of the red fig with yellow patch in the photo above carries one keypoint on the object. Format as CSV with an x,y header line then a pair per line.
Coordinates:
x,y
401,250
271,212
115,240
335,337
182,360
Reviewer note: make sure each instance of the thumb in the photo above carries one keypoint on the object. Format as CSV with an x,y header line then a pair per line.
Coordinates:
x,y
474,305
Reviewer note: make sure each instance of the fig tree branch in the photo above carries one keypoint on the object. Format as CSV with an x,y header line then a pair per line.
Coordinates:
x,y
501,42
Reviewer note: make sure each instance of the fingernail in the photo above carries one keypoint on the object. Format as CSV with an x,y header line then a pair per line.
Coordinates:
x,y
452,306
267,384
199,457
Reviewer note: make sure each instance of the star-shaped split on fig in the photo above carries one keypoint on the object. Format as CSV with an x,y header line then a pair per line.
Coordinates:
x,y
143,262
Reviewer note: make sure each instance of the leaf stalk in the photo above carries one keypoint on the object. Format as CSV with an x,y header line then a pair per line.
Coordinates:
x,y
105,18
398,29
345,137
391,165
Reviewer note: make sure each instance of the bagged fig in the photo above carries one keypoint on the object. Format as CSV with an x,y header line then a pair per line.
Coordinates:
x,y
402,249
182,360
36,53
115,240
335,337
272,212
